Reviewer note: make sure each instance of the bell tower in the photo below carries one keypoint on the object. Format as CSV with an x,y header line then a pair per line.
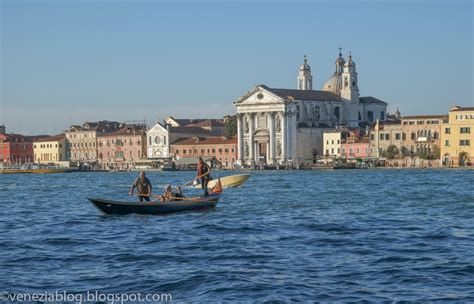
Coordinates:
x,y
350,92
305,80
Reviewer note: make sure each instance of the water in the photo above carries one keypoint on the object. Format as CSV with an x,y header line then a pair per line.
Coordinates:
x,y
286,236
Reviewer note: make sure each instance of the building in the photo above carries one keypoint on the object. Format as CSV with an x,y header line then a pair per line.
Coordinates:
x,y
220,149
414,135
384,135
353,146
286,126
122,148
2,129
17,148
160,136
457,137
50,150
82,140
332,144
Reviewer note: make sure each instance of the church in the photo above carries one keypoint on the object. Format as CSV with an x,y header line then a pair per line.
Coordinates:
x,y
286,126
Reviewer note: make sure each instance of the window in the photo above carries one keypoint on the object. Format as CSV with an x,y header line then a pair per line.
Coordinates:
x,y
202,151
413,136
465,130
337,112
382,136
446,143
464,142
387,136
370,115
213,150
447,130
404,136
332,150
332,142
397,136
372,137
435,135
338,141
382,115
419,122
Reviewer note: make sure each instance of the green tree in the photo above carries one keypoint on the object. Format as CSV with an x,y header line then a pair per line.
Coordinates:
x,y
392,152
230,127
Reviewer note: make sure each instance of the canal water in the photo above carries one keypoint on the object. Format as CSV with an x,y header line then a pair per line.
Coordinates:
x,y
335,235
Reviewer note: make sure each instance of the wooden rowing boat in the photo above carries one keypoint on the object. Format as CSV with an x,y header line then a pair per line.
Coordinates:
x,y
187,204
228,181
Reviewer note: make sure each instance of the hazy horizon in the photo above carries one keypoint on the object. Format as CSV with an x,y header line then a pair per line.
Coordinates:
x,y
65,63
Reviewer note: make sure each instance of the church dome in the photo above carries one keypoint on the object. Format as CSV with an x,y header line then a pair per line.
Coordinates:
x,y
333,84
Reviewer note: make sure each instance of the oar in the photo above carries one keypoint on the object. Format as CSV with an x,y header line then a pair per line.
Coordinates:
x,y
184,185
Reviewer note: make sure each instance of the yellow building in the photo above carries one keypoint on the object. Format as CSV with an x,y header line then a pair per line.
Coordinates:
x,y
457,137
50,150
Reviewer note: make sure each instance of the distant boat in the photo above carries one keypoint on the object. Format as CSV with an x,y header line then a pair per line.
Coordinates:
x,y
34,168
154,208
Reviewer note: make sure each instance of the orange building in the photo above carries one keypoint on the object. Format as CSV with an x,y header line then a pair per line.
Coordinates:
x,y
219,148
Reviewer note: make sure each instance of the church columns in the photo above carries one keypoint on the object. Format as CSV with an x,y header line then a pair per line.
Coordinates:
x,y
240,140
272,138
251,141
284,134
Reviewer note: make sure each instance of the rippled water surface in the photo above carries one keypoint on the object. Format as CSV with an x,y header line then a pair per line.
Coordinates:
x,y
285,235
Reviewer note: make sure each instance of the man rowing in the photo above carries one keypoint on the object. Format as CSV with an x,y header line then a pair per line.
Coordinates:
x,y
203,173
143,186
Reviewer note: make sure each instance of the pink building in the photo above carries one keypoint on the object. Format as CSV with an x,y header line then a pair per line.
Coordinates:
x,y
353,147
122,148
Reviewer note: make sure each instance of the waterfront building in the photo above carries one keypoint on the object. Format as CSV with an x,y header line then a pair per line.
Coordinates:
x,y
332,144
286,126
82,140
457,137
160,136
355,147
222,150
50,150
384,135
415,138
17,148
122,148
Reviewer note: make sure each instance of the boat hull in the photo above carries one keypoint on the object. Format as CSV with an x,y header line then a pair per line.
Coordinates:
x,y
154,208
228,181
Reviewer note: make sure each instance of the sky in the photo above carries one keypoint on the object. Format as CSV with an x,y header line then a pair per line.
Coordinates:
x,y
65,62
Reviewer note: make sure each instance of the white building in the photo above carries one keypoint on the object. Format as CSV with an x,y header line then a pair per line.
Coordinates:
x,y
332,144
286,125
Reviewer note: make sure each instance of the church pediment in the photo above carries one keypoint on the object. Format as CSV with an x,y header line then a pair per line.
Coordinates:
x,y
259,96
158,128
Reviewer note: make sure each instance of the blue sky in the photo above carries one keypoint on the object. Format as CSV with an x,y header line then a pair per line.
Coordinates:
x,y
66,62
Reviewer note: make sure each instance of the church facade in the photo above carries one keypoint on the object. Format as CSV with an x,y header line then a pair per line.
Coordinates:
x,y
286,126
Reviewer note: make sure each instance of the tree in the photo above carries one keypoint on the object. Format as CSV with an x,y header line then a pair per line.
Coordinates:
x,y
392,152
230,127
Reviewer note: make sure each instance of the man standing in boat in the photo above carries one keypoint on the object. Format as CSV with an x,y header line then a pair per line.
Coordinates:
x,y
203,171
143,185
